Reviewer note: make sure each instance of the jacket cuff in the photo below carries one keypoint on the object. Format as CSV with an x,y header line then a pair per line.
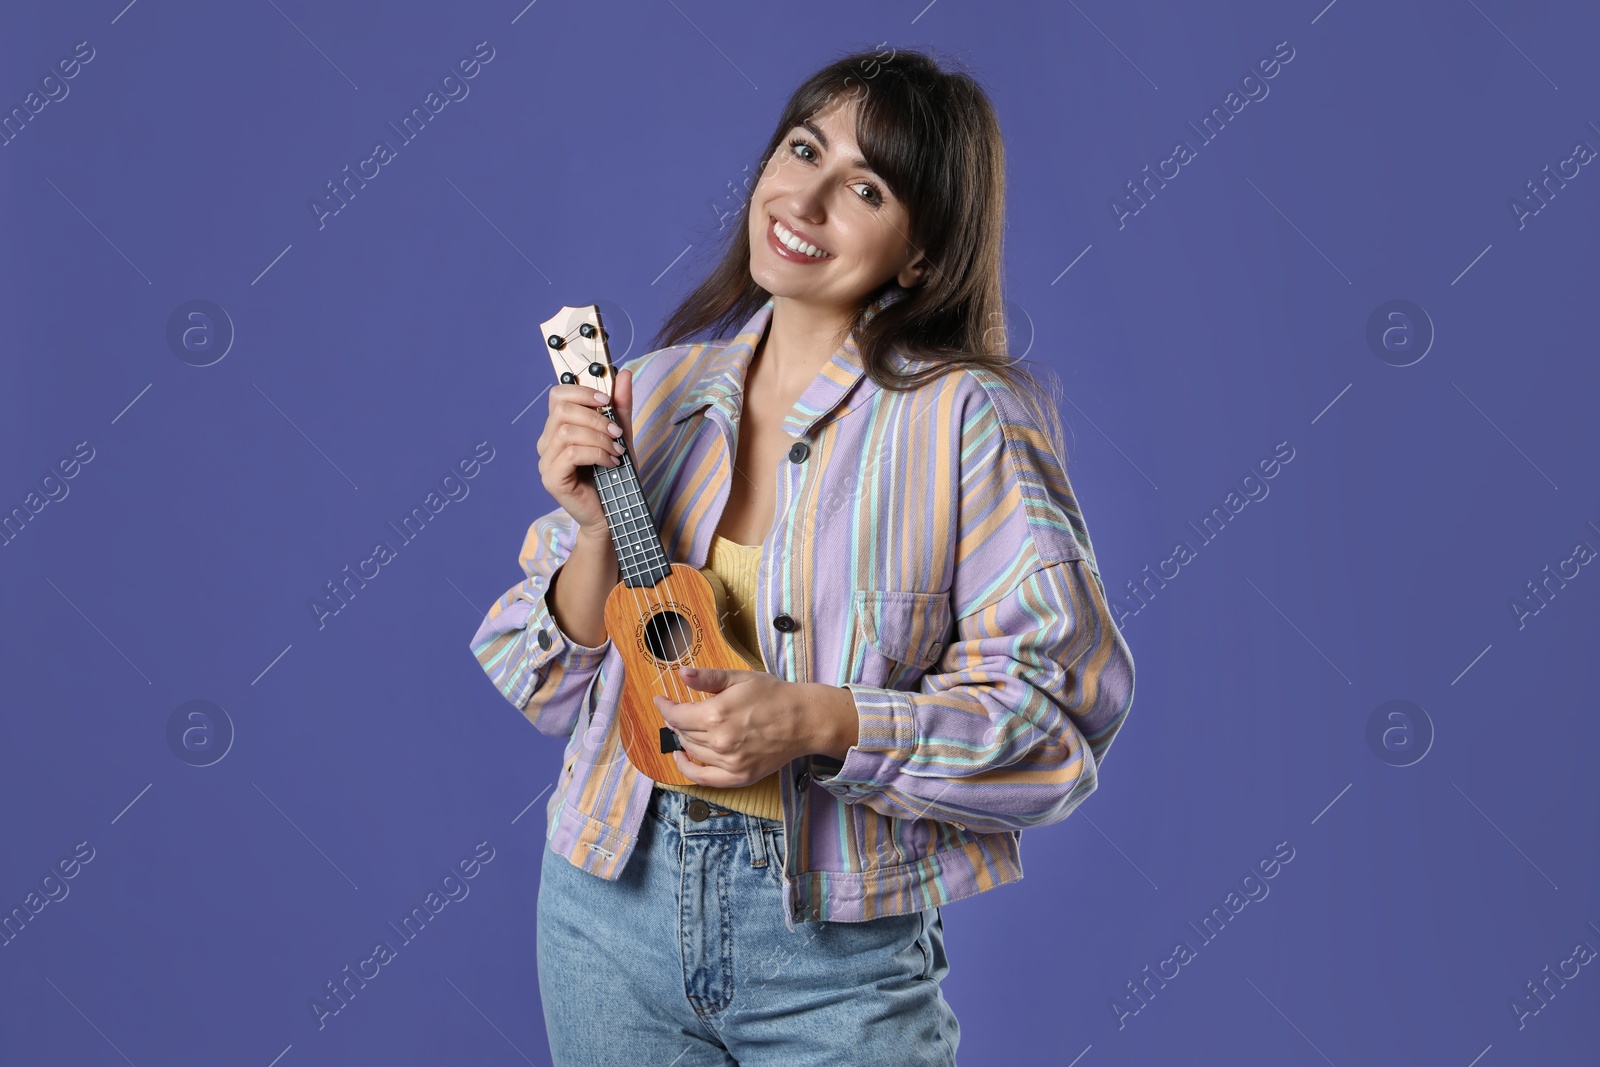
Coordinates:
x,y
886,735
545,645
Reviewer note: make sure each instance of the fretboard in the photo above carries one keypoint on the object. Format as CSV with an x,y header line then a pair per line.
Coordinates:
x,y
640,558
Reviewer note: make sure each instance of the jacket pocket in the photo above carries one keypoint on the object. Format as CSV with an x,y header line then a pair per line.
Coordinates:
x,y
899,636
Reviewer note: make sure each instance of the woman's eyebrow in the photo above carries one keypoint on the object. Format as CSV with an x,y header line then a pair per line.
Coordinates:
x,y
858,163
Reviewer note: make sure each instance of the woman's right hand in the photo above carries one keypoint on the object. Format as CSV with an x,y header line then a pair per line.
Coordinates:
x,y
576,437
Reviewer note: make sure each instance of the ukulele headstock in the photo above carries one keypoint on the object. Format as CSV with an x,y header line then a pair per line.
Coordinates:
x,y
576,342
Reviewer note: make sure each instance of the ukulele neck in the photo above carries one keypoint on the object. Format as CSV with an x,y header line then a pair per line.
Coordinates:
x,y
576,342
640,558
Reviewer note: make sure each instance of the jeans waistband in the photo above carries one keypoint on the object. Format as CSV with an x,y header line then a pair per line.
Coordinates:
x,y
681,810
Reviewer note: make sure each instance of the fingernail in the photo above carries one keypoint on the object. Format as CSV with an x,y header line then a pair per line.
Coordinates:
x,y
600,398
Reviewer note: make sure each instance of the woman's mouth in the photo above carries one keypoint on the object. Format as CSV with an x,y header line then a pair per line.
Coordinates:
x,y
790,246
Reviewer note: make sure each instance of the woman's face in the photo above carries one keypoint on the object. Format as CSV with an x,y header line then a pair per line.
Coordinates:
x,y
824,229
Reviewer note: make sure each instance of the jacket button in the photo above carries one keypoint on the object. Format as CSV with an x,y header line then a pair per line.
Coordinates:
x,y
802,780
785,624
699,809
544,640
798,452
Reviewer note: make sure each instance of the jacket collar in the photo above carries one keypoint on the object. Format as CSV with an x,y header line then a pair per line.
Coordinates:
x,y
721,382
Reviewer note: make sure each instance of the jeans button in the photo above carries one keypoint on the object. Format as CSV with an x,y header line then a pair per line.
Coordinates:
x,y
699,810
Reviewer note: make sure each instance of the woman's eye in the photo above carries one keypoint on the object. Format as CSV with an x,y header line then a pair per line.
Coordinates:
x,y
868,192
803,150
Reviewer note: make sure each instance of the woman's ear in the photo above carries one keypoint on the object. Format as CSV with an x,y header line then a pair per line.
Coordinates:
x,y
913,274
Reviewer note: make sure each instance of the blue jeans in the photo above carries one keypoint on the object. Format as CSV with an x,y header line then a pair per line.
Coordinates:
x,y
685,959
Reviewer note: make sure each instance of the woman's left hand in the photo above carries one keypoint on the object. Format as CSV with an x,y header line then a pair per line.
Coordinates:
x,y
751,725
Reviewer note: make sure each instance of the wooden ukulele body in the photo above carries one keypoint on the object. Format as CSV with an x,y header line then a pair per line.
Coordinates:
x,y
656,630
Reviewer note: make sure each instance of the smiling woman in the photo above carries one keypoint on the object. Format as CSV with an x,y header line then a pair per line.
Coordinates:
x,y
878,489
890,175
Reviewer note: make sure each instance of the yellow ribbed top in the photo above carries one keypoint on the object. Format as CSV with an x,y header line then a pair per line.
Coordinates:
x,y
731,568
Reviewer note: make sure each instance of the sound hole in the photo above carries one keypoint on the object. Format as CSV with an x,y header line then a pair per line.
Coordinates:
x,y
669,636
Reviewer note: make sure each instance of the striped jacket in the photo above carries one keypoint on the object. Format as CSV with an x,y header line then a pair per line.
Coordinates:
x,y
930,556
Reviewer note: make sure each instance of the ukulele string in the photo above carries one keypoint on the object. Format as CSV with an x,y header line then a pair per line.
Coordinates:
x,y
673,620
668,681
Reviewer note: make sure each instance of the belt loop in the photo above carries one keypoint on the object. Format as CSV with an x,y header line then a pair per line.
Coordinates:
x,y
758,841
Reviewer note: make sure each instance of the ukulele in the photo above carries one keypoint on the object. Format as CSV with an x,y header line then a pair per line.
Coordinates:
x,y
662,615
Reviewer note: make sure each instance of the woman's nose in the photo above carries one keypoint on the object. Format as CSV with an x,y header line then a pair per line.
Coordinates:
x,y
807,201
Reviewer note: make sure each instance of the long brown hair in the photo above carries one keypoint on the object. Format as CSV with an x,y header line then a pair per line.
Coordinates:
x,y
932,135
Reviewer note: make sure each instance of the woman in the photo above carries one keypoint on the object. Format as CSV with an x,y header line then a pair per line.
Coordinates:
x,y
877,492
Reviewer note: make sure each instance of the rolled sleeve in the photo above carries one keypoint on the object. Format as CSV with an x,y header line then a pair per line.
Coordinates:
x,y
543,672
1011,729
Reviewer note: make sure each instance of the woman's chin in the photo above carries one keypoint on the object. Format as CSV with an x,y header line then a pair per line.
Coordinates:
x,y
779,282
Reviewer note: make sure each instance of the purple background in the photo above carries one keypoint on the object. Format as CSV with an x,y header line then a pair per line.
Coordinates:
x,y
601,142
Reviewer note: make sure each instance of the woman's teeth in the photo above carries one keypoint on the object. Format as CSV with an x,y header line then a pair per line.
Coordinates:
x,y
787,238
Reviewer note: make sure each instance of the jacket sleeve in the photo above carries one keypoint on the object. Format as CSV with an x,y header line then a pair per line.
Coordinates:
x,y
544,673
1009,728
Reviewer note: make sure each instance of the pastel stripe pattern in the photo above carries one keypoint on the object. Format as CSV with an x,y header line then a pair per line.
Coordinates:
x,y
931,550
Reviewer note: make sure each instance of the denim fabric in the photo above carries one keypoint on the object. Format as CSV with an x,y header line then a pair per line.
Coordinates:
x,y
686,959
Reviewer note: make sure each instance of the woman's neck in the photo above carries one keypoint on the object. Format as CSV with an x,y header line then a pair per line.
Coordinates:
x,y
800,340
